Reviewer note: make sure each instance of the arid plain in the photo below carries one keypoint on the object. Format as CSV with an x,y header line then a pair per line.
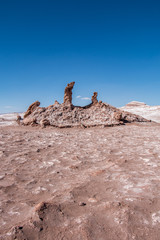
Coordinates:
x,y
79,173
93,183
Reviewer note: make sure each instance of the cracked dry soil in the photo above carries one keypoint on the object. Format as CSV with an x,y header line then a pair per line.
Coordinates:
x,y
80,184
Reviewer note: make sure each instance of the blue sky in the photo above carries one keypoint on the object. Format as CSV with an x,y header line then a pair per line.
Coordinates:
x,y
112,47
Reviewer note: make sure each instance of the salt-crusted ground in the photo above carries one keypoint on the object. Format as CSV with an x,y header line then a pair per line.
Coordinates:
x,y
96,183
9,118
144,110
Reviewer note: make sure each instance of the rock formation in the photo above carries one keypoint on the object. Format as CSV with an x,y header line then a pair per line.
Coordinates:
x,y
68,93
56,102
30,121
44,122
31,108
68,115
18,120
94,98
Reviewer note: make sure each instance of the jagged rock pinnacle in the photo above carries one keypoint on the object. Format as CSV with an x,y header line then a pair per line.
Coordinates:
x,y
94,98
68,93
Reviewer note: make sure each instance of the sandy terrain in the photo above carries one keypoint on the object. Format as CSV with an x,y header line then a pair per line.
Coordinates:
x,y
144,110
92,184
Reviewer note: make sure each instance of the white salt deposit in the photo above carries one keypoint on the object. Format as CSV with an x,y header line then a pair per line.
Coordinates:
x,y
9,118
146,111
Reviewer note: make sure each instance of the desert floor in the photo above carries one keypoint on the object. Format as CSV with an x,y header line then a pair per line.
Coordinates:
x,y
93,184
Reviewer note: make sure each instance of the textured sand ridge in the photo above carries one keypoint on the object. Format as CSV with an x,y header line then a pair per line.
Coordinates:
x,y
80,183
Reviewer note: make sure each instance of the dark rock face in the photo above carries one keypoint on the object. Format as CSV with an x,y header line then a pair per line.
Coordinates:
x,y
68,115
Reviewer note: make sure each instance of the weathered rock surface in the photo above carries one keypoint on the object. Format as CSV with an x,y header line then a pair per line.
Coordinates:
x,y
94,98
18,120
68,93
44,122
31,108
68,115
149,112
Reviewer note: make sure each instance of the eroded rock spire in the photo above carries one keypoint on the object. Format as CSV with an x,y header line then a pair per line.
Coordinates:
x,y
94,98
68,93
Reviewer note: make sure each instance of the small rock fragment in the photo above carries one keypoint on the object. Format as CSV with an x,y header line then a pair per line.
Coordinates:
x,y
82,204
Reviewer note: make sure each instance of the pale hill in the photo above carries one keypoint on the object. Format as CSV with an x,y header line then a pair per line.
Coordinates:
x,y
144,110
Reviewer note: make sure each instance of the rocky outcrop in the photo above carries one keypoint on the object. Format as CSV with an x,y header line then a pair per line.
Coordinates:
x,y
118,115
94,98
18,120
68,93
68,115
56,102
30,121
31,108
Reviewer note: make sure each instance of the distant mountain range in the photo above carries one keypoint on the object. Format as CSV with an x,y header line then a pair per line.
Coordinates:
x,y
144,110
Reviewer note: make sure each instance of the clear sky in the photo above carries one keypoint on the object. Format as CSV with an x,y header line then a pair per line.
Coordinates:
x,y
109,46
